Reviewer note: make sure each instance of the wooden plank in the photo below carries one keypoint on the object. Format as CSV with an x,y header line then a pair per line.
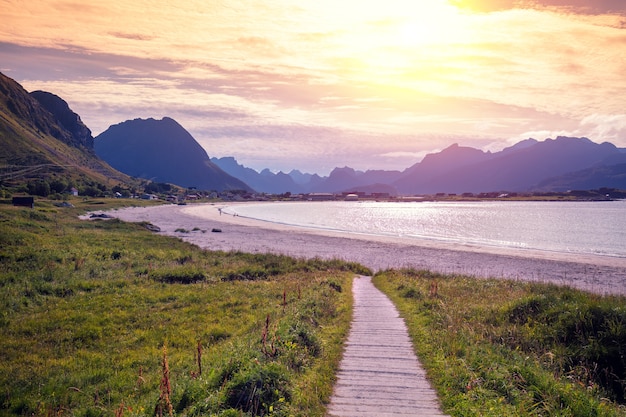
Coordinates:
x,y
379,374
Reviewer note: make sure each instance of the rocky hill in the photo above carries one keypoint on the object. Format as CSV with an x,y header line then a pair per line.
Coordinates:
x,y
44,143
162,151
80,135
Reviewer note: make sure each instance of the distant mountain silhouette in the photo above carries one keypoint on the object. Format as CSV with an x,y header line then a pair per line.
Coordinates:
x,y
162,151
519,168
602,176
348,179
557,164
340,179
42,139
264,181
302,178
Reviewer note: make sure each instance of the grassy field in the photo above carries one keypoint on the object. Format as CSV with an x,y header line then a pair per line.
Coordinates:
x,y
504,348
103,318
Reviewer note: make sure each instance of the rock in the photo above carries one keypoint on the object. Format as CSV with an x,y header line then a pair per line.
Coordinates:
x,y
100,216
151,227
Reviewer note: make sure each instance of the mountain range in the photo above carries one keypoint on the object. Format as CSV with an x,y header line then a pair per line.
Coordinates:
x,y
42,138
560,164
527,166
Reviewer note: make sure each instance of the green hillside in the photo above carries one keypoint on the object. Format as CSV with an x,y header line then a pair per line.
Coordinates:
x,y
35,151
95,315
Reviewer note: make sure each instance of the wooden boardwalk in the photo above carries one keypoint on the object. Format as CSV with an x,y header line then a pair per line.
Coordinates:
x,y
379,374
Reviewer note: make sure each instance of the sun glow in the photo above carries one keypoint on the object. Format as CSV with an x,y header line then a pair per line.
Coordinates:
x,y
407,45
401,69
437,25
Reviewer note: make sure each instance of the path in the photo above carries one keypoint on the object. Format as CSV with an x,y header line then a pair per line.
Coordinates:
x,y
379,374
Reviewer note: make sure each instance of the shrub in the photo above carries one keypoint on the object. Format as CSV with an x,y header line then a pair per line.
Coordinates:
x,y
178,275
259,390
249,273
592,335
498,347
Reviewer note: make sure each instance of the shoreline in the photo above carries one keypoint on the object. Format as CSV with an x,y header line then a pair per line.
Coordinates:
x,y
594,273
200,210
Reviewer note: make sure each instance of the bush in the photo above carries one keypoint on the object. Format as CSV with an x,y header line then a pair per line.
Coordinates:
x,y
178,275
260,390
592,334
498,347
250,273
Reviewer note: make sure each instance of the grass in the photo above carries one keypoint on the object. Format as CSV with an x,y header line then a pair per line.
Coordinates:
x,y
102,318
93,313
504,348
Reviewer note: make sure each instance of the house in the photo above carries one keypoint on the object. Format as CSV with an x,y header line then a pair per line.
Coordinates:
x,y
24,202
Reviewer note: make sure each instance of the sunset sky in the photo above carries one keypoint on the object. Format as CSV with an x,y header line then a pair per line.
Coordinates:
x,y
312,85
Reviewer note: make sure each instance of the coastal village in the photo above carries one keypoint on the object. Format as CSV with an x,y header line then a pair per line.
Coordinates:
x,y
603,194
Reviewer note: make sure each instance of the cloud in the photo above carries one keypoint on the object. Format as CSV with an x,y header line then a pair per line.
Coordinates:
x,y
597,127
415,156
575,6
133,36
606,128
74,63
277,118
321,84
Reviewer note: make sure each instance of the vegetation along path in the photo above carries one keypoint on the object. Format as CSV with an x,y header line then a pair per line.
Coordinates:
x,y
379,374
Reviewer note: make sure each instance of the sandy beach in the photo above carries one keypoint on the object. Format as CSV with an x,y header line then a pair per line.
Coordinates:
x,y
599,274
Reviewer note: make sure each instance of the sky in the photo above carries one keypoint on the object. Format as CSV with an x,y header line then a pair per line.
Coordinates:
x,y
313,85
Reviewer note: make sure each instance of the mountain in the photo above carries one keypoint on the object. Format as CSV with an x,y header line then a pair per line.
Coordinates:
x,y
348,179
269,182
557,164
519,168
66,118
43,141
602,176
162,151
300,177
47,142
264,181
340,179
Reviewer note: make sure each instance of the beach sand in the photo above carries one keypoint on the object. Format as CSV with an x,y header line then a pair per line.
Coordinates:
x,y
598,274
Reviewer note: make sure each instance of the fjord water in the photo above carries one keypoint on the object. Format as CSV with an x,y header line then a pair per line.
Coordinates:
x,y
571,227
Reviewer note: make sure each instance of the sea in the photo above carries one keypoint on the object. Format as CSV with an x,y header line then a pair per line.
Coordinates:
x,y
582,227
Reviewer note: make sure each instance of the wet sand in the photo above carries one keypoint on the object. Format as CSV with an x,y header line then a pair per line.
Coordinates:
x,y
599,274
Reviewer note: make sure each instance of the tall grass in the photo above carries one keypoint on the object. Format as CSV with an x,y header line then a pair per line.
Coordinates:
x,y
503,348
88,306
